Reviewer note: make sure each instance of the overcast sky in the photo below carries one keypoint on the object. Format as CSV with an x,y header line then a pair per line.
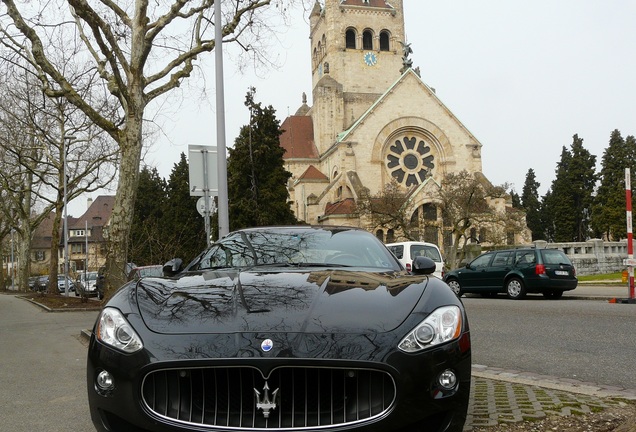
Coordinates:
x,y
522,76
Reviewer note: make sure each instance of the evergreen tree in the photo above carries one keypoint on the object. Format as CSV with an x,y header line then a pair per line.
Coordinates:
x,y
532,206
183,226
608,211
571,198
145,241
515,200
257,178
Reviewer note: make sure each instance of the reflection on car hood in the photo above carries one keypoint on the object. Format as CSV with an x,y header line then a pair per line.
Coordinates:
x,y
333,301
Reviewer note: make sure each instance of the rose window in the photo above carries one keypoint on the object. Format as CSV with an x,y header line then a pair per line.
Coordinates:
x,y
410,161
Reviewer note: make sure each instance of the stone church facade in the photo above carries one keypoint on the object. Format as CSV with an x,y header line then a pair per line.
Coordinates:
x,y
373,119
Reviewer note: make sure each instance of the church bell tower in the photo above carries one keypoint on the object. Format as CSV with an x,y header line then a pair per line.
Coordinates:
x,y
357,54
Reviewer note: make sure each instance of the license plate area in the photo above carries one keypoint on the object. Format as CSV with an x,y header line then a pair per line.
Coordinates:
x,y
561,273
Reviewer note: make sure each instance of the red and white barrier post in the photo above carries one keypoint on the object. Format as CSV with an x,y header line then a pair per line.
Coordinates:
x,y
630,261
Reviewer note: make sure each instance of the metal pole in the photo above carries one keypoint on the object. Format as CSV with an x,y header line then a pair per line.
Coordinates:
x,y
64,152
224,220
206,197
12,262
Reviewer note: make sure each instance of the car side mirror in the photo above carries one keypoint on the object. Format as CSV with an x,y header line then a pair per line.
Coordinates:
x,y
423,265
173,267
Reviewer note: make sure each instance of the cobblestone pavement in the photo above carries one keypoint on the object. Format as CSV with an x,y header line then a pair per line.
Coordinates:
x,y
500,396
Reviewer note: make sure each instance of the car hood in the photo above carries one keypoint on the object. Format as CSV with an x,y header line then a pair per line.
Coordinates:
x,y
325,301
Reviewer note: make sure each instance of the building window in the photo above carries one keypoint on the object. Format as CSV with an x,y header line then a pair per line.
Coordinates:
x,y
430,234
380,235
482,235
390,236
78,248
367,40
40,255
384,41
429,212
350,39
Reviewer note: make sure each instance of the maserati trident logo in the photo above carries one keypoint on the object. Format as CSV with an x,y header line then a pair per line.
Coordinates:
x,y
265,403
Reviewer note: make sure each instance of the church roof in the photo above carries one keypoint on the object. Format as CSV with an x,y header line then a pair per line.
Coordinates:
x,y
344,134
346,206
298,138
313,173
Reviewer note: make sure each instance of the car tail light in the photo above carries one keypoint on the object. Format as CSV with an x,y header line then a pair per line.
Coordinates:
x,y
408,267
539,269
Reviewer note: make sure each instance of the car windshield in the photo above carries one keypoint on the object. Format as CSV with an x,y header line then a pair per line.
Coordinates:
x,y
297,247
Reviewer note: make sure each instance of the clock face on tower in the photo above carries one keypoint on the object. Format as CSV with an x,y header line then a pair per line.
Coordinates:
x,y
370,59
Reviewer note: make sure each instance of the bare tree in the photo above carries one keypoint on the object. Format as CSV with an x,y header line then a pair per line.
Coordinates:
x,y
35,144
468,201
389,209
140,50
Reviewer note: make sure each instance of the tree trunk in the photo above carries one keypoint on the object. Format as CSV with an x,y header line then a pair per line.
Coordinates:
x,y
56,236
24,257
122,216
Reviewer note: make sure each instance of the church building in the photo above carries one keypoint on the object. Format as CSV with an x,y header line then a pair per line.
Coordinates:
x,y
373,120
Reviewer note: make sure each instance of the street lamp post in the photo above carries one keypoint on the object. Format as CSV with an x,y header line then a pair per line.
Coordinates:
x,y
66,257
12,262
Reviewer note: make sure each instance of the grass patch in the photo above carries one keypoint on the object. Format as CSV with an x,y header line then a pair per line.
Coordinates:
x,y
617,276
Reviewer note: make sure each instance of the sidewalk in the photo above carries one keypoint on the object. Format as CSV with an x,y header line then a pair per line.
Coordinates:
x,y
499,396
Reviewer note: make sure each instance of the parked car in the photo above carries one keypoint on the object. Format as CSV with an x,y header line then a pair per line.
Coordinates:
x,y
145,271
86,284
39,283
61,286
283,328
516,272
407,251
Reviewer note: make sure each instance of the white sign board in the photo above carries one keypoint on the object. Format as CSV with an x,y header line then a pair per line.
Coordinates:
x,y
203,170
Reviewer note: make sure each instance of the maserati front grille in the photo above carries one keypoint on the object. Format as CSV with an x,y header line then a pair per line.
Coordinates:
x,y
289,398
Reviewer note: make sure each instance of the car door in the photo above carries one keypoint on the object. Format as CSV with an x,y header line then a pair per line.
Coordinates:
x,y
474,276
500,266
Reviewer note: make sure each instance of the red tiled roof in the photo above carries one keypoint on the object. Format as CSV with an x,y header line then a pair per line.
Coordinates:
x,y
313,173
298,138
346,206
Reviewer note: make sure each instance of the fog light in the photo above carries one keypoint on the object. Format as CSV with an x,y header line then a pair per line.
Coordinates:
x,y
447,379
105,381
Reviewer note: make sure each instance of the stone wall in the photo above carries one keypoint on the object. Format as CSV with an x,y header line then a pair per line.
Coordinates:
x,y
593,256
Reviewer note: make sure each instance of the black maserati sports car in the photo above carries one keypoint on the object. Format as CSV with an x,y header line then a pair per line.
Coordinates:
x,y
283,329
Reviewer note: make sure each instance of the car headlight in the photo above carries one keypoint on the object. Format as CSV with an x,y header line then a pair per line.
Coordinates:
x,y
114,330
443,325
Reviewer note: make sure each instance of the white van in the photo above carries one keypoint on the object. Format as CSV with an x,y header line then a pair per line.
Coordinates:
x,y
406,252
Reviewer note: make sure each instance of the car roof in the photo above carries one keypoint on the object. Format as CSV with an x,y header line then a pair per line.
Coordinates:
x,y
408,243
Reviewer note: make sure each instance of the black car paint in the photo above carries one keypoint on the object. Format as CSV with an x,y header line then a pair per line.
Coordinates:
x,y
205,318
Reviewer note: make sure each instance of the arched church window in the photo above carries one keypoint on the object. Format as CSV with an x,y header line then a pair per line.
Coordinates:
x,y
390,236
384,40
319,50
380,235
324,45
350,38
429,212
367,40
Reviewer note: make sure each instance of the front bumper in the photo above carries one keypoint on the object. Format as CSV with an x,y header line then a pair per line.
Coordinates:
x,y
418,402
